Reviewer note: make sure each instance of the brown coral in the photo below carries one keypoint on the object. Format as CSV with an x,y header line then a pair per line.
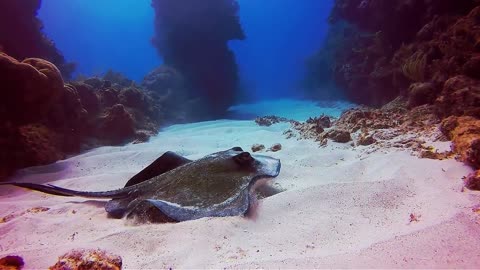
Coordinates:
x,y
460,96
83,259
11,263
421,93
472,181
415,66
257,147
465,135
29,89
270,120
337,135
117,125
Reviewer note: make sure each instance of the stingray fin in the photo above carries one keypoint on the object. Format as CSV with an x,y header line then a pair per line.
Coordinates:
x,y
117,208
179,213
59,191
164,163
37,187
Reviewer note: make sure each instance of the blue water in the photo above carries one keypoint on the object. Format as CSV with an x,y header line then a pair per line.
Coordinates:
x,y
281,34
103,34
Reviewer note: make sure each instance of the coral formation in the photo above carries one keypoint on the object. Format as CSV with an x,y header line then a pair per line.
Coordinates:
x,y
117,78
30,88
420,94
257,147
116,124
393,125
88,259
415,66
337,135
166,83
43,119
472,181
270,120
464,132
322,121
192,36
430,62
365,139
377,54
460,96
275,148
21,35
11,263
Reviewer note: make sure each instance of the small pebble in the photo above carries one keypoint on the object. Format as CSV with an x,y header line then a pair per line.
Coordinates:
x,y
257,147
276,147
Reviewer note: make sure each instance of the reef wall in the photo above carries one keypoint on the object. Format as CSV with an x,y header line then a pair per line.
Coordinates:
x,y
21,34
379,49
192,36
424,55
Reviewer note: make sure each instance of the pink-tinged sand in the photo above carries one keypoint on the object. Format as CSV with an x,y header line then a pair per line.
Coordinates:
x,y
342,208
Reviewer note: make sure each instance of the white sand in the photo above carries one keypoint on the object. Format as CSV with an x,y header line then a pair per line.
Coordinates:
x,y
342,208
299,110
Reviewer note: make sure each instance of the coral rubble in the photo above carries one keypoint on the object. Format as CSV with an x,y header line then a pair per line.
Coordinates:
x,y
275,148
88,259
425,53
270,120
257,147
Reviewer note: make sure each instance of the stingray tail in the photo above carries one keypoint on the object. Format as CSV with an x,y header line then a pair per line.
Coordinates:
x,y
54,190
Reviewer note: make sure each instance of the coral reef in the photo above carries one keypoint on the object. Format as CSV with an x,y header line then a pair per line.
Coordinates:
x,y
429,62
460,96
192,36
30,88
21,35
43,119
116,124
118,78
166,83
11,263
376,54
393,125
322,121
270,120
472,181
464,132
88,259
337,135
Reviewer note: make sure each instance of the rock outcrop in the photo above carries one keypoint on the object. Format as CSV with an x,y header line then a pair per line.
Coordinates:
x,y
375,54
192,36
42,119
21,35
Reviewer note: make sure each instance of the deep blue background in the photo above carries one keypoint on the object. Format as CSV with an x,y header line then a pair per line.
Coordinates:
x,y
103,34
281,34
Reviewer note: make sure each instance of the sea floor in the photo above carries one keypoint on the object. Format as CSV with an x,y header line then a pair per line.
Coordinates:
x,y
343,207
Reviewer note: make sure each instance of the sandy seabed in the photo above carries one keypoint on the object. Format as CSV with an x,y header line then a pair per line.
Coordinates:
x,y
344,207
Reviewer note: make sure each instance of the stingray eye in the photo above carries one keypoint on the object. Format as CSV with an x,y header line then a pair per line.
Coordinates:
x,y
238,149
243,158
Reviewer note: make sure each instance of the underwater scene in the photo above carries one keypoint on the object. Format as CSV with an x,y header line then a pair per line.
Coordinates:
x,y
239,134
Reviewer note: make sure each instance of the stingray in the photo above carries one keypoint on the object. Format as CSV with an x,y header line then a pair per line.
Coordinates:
x,y
174,188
